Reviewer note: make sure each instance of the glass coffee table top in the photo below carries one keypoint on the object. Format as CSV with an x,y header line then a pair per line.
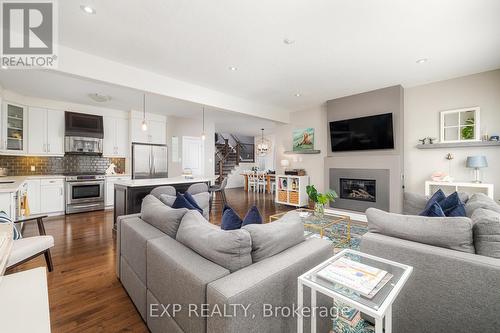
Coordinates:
x,y
322,226
399,272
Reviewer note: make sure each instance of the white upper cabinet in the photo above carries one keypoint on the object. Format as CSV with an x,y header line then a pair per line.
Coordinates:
x,y
156,131
55,132
116,140
46,129
14,128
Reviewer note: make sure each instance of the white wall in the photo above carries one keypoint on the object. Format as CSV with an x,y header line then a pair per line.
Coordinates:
x,y
179,126
422,107
313,163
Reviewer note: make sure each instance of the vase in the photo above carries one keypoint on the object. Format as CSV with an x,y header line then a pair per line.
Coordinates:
x,y
319,210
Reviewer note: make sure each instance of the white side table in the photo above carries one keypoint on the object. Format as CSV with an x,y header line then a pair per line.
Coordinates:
x,y
379,307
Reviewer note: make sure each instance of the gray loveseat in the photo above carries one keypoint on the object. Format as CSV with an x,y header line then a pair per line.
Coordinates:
x,y
455,285
169,282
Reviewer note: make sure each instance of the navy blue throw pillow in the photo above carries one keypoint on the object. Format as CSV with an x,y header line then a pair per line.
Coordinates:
x,y
253,216
230,220
182,202
193,202
434,210
452,206
436,198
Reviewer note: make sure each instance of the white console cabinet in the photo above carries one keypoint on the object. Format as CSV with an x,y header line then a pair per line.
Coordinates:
x,y
291,190
449,187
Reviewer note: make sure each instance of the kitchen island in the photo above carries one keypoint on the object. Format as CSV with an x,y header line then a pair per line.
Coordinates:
x,y
129,193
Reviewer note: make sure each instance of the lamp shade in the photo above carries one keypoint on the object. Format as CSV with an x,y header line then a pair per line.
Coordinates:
x,y
477,162
285,163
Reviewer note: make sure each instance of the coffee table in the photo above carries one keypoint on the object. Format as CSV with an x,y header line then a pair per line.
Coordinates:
x,y
321,226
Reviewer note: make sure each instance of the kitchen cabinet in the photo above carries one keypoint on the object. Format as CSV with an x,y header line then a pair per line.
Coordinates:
x,y
116,138
34,196
156,132
7,204
110,188
52,195
46,129
14,128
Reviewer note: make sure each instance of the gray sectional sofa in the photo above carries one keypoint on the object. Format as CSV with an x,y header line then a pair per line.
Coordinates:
x,y
172,263
455,285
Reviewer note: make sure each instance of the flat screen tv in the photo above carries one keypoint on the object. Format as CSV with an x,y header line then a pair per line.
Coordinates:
x,y
366,133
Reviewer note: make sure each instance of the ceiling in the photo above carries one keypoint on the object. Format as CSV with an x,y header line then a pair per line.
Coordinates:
x,y
340,47
61,87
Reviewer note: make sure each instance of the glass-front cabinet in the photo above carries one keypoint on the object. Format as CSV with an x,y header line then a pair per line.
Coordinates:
x,y
14,128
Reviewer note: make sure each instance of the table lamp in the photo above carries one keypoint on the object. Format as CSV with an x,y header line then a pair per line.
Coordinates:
x,y
476,163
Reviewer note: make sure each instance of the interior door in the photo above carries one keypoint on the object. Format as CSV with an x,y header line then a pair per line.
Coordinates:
x,y
55,132
192,154
37,128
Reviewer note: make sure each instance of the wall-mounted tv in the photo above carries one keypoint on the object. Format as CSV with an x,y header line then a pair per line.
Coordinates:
x,y
366,133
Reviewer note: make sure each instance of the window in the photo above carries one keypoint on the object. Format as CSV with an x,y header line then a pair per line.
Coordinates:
x,y
460,125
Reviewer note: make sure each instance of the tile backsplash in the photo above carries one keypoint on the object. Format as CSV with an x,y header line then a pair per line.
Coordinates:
x,y
21,165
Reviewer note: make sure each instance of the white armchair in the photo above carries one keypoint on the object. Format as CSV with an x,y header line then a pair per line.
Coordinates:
x,y
25,249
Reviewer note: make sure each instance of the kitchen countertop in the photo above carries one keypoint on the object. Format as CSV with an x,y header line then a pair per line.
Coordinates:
x,y
119,175
162,181
19,180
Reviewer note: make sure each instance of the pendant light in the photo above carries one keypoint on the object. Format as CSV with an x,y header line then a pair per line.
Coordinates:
x,y
144,125
263,145
203,136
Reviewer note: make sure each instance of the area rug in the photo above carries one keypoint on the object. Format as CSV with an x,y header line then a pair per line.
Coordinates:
x,y
337,234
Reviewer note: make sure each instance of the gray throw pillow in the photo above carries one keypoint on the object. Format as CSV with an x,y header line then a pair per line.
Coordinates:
x,y
202,199
275,237
448,232
486,232
168,199
480,200
229,249
160,216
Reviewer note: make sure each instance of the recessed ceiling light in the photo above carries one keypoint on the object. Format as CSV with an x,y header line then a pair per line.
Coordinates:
x,y
4,67
288,41
232,68
87,9
297,95
422,61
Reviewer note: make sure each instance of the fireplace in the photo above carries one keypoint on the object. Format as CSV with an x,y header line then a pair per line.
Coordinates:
x,y
358,189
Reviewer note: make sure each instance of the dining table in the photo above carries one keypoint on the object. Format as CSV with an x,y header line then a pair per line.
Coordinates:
x,y
269,178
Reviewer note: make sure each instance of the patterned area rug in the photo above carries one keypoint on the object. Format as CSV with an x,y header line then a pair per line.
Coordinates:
x,y
338,236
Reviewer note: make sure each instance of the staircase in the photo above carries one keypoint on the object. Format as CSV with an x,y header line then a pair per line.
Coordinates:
x,y
226,160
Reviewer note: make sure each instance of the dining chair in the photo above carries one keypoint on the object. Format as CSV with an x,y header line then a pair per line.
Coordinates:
x,y
25,249
214,189
261,182
252,181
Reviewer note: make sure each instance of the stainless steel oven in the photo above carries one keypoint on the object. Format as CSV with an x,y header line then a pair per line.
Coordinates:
x,y
84,193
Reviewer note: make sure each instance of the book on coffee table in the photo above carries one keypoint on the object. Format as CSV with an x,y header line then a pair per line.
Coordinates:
x,y
356,276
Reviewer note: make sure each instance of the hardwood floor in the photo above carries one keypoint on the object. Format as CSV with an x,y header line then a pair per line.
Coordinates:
x,y
84,293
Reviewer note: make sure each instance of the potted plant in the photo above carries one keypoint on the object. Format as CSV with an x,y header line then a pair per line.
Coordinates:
x,y
320,199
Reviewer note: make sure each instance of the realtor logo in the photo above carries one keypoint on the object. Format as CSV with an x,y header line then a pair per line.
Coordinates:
x,y
28,34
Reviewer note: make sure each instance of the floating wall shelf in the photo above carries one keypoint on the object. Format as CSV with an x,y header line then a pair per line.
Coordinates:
x,y
290,152
460,145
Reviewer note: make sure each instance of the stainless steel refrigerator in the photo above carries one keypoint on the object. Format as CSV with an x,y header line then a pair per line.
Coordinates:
x,y
149,161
